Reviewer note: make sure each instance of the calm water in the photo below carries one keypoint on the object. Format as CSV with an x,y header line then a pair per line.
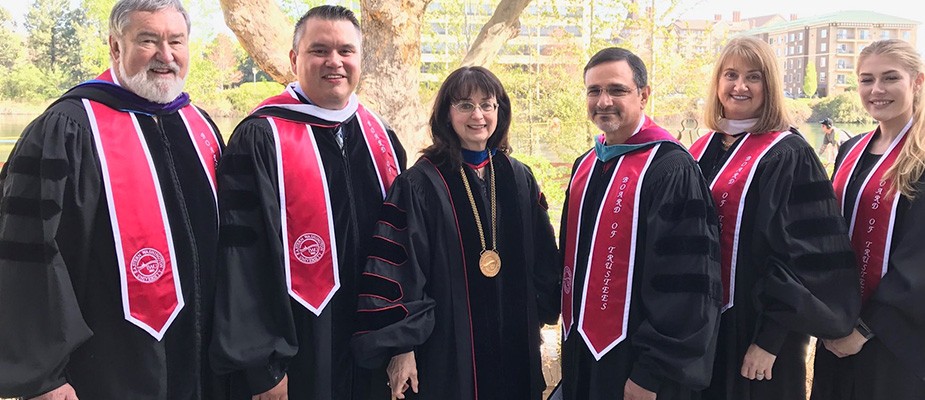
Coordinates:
x,y
11,126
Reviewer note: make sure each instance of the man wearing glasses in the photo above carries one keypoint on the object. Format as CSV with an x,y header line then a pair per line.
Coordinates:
x,y
641,279
300,192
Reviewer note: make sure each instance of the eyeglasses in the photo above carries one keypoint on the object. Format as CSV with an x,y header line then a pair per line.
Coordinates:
x,y
466,107
612,91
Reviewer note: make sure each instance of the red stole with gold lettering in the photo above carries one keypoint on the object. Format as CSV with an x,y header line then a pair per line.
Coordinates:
x,y
310,253
607,289
729,188
874,212
151,295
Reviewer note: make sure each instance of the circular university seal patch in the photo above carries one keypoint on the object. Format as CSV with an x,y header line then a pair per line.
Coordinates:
x,y
148,265
308,248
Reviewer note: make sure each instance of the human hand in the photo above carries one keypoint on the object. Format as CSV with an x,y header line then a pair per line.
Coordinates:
x,y
758,363
846,346
402,369
632,391
279,392
63,392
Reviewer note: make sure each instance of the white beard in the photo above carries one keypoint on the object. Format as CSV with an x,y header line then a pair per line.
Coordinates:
x,y
158,90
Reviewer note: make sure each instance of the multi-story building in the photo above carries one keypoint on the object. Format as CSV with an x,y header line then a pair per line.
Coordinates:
x,y
709,35
832,42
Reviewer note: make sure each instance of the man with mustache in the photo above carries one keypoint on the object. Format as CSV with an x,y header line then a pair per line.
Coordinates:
x,y
109,226
302,182
641,279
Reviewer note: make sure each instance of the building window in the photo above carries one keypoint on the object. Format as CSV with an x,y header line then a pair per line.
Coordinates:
x,y
800,36
842,33
842,64
840,79
823,47
800,49
865,34
884,35
792,37
823,33
822,77
822,62
906,35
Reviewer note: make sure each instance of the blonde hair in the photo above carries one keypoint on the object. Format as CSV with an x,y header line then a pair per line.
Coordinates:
x,y
910,163
752,51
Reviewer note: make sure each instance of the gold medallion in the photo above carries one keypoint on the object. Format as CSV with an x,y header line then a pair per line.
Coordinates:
x,y
490,263
490,260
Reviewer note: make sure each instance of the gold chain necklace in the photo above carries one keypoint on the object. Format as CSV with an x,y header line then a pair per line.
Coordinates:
x,y
490,260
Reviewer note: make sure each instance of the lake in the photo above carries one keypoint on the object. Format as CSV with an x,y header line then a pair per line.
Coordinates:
x,y
11,126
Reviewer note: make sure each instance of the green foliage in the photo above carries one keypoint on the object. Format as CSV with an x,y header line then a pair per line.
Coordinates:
x,y
810,81
26,82
249,94
11,47
800,109
843,108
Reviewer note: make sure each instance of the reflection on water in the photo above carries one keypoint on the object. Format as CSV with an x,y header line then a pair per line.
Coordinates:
x,y
11,126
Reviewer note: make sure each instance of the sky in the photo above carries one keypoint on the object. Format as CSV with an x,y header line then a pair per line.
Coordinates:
x,y
705,9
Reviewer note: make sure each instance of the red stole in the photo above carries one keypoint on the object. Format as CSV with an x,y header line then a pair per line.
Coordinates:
x,y
310,250
729,188
874,213
151,295
607,289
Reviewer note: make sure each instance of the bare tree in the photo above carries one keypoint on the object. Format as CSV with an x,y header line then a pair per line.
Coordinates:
x,y
391,48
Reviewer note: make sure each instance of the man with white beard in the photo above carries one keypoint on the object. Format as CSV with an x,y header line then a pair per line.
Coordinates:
x,y
109,226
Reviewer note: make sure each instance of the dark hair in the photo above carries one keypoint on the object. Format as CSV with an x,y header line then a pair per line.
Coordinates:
x,y
640,76
326,13
827,122
460,85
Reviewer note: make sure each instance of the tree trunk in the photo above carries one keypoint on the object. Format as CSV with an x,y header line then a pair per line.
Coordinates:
x,y
264,32
504,25
391,53
392,67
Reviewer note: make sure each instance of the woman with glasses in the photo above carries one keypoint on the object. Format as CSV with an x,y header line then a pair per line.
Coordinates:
x,y
787,267
879,182
462,268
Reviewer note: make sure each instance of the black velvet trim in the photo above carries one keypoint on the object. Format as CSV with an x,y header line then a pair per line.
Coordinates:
x,y
236,236
388,251
825,261
816,227
30,207
25,252
46,168
542,201
684,245
693,208
236,164
241,200
373,320
681,283
393,216
379,286
811,192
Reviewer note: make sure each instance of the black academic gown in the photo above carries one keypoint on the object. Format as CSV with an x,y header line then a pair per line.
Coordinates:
x,y
891,365
61,317
259,328
473,337
675,303
795,272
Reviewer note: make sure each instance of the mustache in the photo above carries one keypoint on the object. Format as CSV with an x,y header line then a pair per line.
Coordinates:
x,y
608,110
172,66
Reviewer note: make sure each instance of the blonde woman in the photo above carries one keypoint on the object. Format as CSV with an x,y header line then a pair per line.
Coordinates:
x,y
878,182
787,267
